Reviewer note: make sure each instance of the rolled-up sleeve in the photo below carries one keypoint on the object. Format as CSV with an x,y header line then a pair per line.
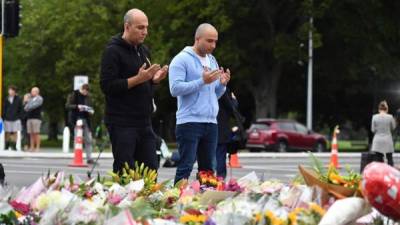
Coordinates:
x,y
110,81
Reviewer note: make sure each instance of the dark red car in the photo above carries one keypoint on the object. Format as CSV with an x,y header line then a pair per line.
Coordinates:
x,y
282,135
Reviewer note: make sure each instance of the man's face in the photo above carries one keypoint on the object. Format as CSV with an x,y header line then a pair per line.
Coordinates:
x,y
84,91
137,29
34,92
11,92
208,42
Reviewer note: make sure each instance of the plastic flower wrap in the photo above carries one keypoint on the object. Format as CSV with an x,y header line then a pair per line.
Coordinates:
x,y
236,211
271,186
124,217
27,195
85,211
310,216
250,183
56,182
54,206
162,222
346,211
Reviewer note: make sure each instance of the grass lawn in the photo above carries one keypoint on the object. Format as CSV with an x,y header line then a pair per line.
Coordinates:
x,y
343,145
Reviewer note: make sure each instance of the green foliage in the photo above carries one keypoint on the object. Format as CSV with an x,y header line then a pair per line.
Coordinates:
x,y
259,41
9,218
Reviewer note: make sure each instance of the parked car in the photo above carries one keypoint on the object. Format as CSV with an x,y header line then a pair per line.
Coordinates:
x,y
283,135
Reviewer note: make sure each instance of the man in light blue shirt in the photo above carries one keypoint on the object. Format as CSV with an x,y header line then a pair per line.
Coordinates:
x,y
197,81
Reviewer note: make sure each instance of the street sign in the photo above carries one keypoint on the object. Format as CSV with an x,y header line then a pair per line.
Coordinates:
x,y
79,80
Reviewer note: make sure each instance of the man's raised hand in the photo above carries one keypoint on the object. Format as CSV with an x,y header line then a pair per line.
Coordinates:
x,y
225,76
211,76
160,74
147,74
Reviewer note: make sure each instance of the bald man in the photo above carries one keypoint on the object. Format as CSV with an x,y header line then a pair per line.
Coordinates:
x,y
197,81
127,79
33,108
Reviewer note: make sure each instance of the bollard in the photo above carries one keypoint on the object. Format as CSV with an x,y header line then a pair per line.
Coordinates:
x,y
66,137
18,141
78,151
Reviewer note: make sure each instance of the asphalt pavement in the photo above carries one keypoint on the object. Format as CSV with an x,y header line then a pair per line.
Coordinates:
x,y
23,169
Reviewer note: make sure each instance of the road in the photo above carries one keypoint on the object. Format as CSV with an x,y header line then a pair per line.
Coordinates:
x,y
24,170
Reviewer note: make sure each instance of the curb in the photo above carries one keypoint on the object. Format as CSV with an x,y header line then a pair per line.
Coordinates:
x,y
108,155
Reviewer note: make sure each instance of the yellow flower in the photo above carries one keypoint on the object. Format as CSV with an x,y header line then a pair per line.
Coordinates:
x,y
274,220
186,218
316,208
257,217
193,218
201,218
17,214
292,218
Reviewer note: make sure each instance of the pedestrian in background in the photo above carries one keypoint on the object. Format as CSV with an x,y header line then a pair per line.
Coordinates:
x,y
227,103
33,108
25,136
12,113
382,126
80,107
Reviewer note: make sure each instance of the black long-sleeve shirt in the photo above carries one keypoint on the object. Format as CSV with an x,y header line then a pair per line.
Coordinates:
x,y
125,107
13,111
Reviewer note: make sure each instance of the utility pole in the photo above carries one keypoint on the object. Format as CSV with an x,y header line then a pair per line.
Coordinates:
x,y
310,77
1,55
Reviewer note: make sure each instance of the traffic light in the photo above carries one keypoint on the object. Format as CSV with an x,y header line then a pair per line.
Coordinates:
x,y
11,18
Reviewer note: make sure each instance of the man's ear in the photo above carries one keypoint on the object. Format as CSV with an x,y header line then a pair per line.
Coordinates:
x,y
126,26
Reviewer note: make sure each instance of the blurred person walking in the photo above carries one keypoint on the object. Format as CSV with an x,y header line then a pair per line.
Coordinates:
x,y
382,126
80,107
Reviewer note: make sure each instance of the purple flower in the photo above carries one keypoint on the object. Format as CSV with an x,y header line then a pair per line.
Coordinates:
x,y
209,222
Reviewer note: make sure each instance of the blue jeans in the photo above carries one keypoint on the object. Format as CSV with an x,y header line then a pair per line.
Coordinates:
x,y
221,160
195,141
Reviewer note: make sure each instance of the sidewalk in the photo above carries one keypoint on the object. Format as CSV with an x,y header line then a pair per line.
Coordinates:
x,y
47,153
57,153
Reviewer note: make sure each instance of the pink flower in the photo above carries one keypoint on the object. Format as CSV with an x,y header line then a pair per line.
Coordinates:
x,y
196,186
114,199
132,196
22,208
89,194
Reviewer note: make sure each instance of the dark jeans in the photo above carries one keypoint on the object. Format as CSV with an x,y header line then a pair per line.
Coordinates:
x,y
389,157
221,160
195,141
130,144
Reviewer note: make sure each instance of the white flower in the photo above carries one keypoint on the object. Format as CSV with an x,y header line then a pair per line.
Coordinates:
x,y
135,186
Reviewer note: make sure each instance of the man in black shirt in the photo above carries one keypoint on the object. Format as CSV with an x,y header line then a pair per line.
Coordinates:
x,y
80,108
127,79
12,113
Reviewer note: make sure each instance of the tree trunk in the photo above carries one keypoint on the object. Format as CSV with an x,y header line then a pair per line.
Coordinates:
x,y
265,92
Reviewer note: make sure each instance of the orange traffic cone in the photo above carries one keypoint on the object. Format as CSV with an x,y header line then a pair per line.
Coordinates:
x,y
234,161
78,159
334,149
